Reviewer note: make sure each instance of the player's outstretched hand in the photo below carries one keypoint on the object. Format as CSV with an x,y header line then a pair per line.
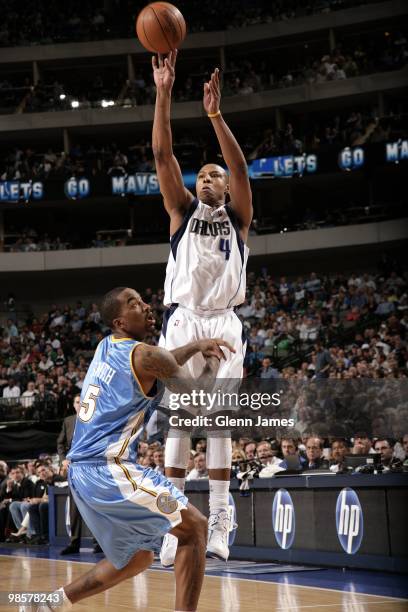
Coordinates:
x,y
212,348
164,71
212,93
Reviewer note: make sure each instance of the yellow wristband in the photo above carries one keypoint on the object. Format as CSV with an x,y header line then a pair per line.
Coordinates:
x,y
213,115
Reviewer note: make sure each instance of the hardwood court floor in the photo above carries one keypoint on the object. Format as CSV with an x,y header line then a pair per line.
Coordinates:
x,y
153,591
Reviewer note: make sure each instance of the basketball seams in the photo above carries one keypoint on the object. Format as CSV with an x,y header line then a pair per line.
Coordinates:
x,y
173,10
144,32
162,29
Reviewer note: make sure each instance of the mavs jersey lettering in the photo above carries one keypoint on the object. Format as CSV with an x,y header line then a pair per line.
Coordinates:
x,y
113,405
206,266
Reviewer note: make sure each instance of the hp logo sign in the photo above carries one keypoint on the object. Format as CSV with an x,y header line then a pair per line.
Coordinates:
x,y
349,521
283,518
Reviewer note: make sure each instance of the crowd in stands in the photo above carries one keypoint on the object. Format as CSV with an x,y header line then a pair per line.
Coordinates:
x,y
241,76
30,241
75,20
362,320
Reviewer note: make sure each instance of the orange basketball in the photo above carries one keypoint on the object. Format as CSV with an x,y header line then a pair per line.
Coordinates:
x,y
160,27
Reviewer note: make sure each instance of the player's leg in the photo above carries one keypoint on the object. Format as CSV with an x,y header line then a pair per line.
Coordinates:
x,y
176,455
189,563
219,446
100,578
177,330
104,576
219,457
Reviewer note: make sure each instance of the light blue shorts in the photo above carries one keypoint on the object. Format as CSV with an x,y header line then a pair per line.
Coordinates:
x,y
126,506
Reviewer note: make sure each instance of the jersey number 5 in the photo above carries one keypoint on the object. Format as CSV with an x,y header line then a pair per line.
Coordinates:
x,y
88,404
225,247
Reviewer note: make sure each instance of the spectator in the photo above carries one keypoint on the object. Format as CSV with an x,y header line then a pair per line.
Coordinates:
x,y
3,471
314,453
323,361
385,447
17,487
250,450
158,460
339,451
12,390
362,444
38,505
199,472
28,396
267,371
289,448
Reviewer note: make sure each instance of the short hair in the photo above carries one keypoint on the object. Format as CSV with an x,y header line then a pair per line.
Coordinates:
x,y
390,441
321,443
290,439
343,441
110,306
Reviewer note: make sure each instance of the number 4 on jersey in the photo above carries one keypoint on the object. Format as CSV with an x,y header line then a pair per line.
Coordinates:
x,y
88,404
225,247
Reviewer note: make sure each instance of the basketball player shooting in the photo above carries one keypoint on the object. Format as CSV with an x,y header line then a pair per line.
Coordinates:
x,y
205,278
126,506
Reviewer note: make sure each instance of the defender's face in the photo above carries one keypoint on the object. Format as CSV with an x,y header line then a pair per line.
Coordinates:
x,y
136,318
212,184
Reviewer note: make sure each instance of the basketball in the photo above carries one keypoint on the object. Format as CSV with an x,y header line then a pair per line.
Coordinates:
x,y
160,27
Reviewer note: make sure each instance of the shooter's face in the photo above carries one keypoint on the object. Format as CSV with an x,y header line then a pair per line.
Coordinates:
x,y
212,185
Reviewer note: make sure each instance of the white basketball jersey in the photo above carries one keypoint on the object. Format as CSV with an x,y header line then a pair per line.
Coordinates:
x,y
206,267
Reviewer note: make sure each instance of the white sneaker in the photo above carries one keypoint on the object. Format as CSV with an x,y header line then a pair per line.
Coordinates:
x,y
218,533
168,550
34,608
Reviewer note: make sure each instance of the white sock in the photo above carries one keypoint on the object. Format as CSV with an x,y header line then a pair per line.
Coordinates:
x,y
219,494
63,605
179,483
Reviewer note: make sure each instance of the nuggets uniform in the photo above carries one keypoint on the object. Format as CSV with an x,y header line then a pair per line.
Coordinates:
x,y
126,506
205,280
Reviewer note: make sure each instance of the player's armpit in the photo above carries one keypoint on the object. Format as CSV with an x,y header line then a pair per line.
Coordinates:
x,y
176,197
241,196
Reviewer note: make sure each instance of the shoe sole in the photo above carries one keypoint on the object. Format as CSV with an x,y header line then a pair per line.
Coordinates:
x,y
213,555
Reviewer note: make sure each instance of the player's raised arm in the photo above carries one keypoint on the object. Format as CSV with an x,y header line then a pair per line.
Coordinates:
x,y
176,197
239,187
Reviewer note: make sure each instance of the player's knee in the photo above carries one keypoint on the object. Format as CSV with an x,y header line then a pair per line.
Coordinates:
x,y
140,562
194,528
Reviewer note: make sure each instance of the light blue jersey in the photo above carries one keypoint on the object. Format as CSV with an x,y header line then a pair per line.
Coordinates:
x,y
113,405
128,507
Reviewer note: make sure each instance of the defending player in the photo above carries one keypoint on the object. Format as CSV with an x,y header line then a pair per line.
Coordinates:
x,y
127,507
205,277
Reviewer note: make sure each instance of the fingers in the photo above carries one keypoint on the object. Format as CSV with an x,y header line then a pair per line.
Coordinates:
x,y
173,57
169,66
154,62
222,342
217,352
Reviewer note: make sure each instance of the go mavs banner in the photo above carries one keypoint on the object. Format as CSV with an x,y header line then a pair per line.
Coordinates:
x,y
349,521
283,518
